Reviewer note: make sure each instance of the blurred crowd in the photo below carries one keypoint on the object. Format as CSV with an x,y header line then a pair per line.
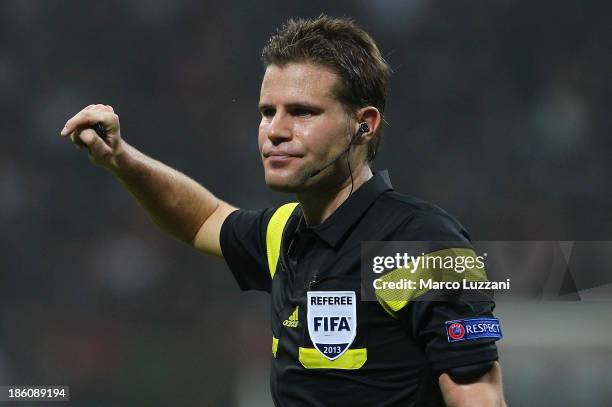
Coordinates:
x,y
498,112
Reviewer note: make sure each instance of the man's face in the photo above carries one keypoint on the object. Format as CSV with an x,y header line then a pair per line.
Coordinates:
x,y
303,126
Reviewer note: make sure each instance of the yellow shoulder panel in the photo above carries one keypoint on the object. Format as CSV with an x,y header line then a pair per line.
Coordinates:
x,y
393,300
274,234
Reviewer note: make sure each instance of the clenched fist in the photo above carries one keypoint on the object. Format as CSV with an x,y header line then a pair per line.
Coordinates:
x,y
102,152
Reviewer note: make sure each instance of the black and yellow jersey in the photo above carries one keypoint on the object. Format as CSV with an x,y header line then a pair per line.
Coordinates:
x,y
392,355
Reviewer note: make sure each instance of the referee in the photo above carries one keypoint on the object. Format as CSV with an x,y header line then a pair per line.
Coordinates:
x,y
322,101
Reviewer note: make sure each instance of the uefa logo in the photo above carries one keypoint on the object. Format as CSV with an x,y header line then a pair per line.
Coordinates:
x,y
455,331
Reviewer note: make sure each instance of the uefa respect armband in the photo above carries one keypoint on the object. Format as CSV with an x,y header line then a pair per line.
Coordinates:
x,y
473,328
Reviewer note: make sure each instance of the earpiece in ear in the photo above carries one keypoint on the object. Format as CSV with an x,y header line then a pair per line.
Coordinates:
x,y
363,127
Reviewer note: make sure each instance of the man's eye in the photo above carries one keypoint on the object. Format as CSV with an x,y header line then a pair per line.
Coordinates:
x,y
267,112
302,112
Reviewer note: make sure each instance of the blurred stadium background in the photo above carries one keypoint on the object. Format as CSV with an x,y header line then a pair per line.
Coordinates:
x,y
498,111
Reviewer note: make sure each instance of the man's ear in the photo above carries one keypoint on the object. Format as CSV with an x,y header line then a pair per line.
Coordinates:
x,y
373,118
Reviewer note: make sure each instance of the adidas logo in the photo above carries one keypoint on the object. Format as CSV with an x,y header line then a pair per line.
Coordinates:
x,y
293,320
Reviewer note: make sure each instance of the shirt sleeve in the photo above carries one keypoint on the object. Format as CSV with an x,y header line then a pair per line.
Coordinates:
x,y
243,243
426,318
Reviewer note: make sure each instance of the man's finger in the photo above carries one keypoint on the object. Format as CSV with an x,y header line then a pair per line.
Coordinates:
x,y
76,139
97,148
84,118
88,137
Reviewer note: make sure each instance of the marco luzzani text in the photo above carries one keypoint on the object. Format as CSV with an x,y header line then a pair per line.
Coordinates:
x,y
422,264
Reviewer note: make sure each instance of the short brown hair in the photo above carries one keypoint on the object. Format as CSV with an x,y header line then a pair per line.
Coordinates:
x,y
339,44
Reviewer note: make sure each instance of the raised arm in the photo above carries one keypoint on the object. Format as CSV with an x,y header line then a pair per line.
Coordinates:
x,y
176,203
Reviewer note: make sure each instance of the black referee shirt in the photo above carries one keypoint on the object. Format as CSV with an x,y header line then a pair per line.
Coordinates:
x,y
393,360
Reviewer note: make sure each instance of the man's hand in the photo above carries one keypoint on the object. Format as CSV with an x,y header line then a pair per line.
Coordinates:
x,y
101,152
485,391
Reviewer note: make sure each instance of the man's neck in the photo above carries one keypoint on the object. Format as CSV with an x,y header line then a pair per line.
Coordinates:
x,y
318,205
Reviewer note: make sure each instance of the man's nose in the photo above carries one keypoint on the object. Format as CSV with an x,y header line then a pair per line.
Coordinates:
x,y
279,129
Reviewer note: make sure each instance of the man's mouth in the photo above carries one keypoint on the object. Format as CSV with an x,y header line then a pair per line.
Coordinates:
x,y
279,157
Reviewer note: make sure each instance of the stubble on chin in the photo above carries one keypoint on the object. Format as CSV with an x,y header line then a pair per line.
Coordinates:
x,y
289,183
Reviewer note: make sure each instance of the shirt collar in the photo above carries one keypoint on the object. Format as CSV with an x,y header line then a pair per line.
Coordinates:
x,y
336,226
